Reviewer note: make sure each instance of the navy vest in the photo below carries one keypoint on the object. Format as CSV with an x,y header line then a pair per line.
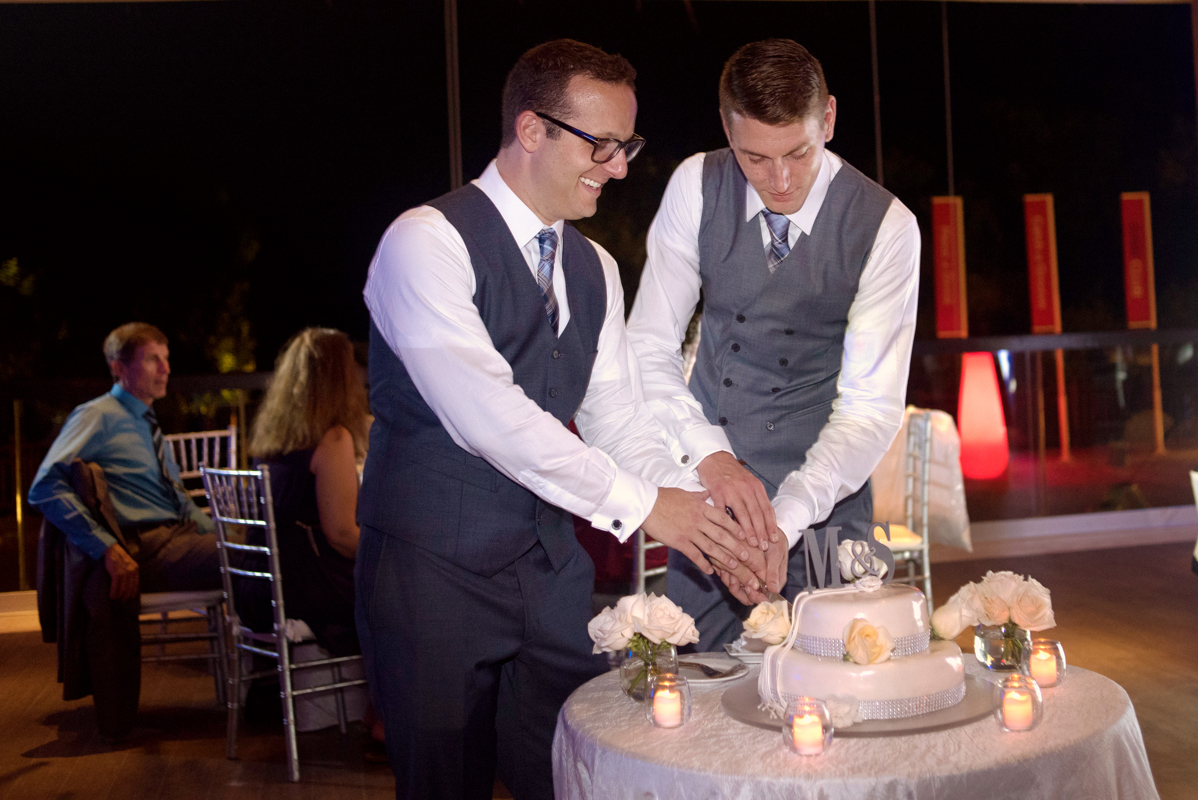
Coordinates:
x,y
418,485
771,345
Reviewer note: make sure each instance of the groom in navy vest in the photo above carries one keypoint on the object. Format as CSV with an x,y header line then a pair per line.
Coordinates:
x,y
494,324
809,273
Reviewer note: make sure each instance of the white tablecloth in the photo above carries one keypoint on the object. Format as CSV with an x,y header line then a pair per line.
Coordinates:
x,y
1088,746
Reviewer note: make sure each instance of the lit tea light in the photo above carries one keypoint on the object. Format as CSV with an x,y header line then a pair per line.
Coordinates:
x,y
667,708
668,703
1044,667
807,731
1017,713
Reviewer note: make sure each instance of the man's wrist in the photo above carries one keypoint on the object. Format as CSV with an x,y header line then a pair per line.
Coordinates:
x,y
793,517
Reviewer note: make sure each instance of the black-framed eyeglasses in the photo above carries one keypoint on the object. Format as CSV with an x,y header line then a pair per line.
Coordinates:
x,y
604,149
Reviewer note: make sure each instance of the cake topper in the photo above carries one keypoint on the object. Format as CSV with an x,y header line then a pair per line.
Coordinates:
x,y
822,562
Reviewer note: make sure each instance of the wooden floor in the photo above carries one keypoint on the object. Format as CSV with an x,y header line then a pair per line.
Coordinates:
x,y
1131,614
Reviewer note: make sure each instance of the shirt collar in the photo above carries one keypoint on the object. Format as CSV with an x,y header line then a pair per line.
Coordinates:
x,y
804,218
136,407
520,219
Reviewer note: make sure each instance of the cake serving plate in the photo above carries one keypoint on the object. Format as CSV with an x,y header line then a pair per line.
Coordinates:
x,y
740,702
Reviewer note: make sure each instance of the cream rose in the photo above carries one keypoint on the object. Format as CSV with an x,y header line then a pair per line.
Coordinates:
x,y
866,644
769,622
993,609
850,568
1002,585
664,621
956,615
844,710
632,607
1031,607
610,630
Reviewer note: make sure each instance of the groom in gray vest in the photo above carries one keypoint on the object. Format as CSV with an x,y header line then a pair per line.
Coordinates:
x,y
809,276
494,324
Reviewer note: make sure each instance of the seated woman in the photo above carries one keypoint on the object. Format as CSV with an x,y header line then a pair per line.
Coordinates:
x,y
311,431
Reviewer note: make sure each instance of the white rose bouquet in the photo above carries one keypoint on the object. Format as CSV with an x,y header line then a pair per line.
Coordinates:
x,y
648,627
1009,603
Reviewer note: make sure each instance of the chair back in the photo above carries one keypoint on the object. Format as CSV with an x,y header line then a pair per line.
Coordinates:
x,y
240,498
215,449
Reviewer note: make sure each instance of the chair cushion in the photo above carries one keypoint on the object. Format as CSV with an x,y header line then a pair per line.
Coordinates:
x,y
154,602
901,537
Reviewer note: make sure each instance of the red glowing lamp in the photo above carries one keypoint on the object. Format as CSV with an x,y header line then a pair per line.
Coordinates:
x,y
980,420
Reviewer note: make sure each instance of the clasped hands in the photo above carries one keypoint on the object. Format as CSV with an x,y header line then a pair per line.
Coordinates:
x,y
744,548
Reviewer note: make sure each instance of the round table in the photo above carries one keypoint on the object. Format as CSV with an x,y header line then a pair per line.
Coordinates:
x,y
1087,746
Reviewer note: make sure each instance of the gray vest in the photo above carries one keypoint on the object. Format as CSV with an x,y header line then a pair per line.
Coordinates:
x,y
418,484
771,345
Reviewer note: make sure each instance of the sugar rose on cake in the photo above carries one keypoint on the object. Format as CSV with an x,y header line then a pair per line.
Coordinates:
x,y
769,622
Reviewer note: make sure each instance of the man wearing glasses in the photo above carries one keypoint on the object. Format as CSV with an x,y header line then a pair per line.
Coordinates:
x,y
809,273
493,325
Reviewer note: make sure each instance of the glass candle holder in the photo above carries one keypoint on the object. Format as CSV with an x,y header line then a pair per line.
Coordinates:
x,y
1044,661
807,726
668,700
1020,703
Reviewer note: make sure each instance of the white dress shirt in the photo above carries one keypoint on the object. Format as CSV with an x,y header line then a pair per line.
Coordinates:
x,y
877,344
419,291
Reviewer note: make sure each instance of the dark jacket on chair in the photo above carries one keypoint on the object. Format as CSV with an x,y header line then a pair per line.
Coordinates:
x,y
62,570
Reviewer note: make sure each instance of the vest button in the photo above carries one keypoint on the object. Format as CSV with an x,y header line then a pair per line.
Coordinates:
x,y
782,362
735,347
685,459
789,332
727,381
557,353
616,525
723,420
740,317
769,426
776,389
553,392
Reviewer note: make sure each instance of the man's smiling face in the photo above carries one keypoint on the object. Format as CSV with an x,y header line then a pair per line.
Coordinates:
x,y
567,182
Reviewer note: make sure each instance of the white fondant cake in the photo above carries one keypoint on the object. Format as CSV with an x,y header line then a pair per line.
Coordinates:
x,y
918,677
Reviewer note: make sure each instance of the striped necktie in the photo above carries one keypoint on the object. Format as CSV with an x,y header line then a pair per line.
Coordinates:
x,y
547,239
160,450
779,227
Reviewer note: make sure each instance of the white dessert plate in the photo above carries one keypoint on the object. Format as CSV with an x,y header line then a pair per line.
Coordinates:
x,y
740,702
718,661
746,650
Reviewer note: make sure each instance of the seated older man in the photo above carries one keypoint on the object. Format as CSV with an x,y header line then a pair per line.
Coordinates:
x,y
168,542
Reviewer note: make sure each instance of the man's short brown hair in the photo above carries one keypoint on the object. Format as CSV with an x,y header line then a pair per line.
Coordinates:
x,y
122,343
539,80
775,81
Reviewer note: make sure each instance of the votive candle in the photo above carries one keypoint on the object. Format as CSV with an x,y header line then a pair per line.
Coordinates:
x,y
1017,712
808,732
1044,667
667,708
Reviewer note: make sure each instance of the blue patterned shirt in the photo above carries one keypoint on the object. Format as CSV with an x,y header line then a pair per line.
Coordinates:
x,y
111,431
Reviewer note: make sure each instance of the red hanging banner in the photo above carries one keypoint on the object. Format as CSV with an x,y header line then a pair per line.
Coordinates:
x,y
1041,227
948,257
1138,280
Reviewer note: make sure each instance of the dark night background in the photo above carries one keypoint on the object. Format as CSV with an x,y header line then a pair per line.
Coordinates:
x,y
224,169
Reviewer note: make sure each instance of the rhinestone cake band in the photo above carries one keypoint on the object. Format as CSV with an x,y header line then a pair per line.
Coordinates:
x,y
905,707
834,648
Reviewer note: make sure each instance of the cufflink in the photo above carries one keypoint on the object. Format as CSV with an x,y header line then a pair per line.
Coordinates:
x,y
616,525
685,459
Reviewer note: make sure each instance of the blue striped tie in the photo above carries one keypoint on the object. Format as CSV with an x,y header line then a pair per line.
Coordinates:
x,y
779,237
160,451
547,239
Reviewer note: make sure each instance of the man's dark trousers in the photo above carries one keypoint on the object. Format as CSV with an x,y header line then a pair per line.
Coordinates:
x,y
448,650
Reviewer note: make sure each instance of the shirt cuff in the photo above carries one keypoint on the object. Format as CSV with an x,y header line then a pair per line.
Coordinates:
x,y
793,517
627,505
96,544
699,442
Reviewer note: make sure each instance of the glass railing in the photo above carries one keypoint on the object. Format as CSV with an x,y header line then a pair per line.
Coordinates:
x,y
1121,452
